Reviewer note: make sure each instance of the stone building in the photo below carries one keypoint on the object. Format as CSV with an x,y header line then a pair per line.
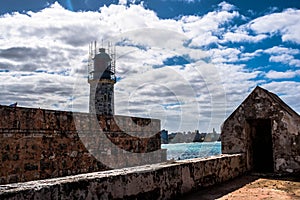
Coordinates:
x,y
267,131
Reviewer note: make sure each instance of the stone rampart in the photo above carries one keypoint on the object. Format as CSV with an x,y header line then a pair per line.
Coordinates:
x,y
156,181
39,144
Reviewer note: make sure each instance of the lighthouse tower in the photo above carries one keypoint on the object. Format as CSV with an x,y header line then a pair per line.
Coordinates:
x,y
101,77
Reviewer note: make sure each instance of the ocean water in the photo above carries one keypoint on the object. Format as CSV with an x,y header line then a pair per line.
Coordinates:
x,y
181,151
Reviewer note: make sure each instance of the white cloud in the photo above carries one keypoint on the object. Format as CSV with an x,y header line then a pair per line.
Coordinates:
x,y
237,83
200,29
281,58
281,50
62,46
52,47
286,23
240,36
285,59
288,92
283,55
226,6
249,56
295,62
223,55
282,75
122,2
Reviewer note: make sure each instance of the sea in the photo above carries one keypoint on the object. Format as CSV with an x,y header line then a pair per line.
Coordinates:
x,y
181,151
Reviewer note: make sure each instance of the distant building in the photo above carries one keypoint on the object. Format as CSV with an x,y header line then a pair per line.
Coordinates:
x,y
164,136
171,136
266,131
187,137
212,137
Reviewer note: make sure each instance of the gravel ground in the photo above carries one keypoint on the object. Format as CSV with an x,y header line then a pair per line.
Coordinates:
x,y
252,187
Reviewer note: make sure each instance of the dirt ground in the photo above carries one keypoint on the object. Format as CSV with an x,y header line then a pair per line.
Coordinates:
x,y
252,187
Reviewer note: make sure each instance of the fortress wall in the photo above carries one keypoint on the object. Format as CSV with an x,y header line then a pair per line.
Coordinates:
x,y
156,181
39,144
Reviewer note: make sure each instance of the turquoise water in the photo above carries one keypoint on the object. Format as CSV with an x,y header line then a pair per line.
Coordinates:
x,y
181,151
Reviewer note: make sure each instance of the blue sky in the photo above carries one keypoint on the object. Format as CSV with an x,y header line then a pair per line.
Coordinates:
x,y
189,63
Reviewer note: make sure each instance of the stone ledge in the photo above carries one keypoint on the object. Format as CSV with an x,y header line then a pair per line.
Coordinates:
x,y
157,181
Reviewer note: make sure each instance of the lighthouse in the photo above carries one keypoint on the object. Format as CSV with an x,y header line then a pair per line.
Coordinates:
x,y
101,77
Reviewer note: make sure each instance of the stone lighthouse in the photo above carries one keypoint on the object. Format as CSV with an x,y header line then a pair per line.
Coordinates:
x,y
101,77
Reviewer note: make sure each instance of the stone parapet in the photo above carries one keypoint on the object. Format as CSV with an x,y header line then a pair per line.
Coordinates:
x,y
157,181
38,144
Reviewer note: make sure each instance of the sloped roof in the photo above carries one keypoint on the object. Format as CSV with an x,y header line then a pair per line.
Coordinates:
x,y
272,96
286,107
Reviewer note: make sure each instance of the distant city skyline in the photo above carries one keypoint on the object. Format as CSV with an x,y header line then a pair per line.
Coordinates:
x,y
189,63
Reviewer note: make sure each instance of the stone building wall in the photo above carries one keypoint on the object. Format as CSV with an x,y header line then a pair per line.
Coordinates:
x,y
285,130
157,181
39,144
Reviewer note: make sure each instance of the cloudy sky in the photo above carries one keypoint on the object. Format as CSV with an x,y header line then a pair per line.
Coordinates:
x,y
189,63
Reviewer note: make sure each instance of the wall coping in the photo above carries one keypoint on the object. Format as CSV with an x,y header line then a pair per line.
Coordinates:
x,y
70,112
46,183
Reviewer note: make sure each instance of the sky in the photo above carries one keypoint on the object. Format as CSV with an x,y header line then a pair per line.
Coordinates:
x,y
189,63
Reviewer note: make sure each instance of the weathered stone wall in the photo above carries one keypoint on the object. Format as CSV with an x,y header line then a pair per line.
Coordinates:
x,y
285,129
39,144
157,181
